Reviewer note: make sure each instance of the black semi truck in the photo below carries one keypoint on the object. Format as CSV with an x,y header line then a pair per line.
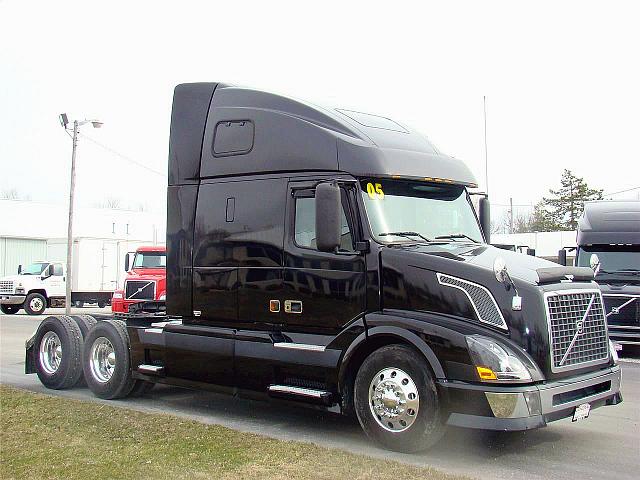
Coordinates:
x,y
333,258
609,240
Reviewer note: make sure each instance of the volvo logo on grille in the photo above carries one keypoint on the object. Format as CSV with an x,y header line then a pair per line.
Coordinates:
x,y
579,325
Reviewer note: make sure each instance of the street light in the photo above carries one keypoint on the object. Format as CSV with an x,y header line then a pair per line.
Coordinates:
x,y
64,121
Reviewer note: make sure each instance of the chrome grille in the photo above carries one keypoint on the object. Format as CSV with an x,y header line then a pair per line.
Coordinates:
x,y
622,309
6,286
481,299
140,289
578,329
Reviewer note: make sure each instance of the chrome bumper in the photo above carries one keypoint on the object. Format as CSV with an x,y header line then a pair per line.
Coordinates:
x,y
551,395
533,406
12,299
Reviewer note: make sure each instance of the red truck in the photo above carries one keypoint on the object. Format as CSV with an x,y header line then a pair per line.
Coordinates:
x,y
145,281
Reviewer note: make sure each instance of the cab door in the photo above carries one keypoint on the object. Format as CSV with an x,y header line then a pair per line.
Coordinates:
x,y
56,283
322,291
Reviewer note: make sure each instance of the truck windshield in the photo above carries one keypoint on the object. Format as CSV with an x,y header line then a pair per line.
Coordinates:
x,y
150,260
404,211
613,258
34,269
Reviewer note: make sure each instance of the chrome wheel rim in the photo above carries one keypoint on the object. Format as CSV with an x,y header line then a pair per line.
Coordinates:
x,y
36,304
393,399
50,352
102,359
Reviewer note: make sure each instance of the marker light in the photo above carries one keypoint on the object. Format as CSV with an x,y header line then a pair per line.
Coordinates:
x,y
486,373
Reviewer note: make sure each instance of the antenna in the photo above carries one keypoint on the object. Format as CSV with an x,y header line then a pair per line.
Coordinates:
x,y
486,162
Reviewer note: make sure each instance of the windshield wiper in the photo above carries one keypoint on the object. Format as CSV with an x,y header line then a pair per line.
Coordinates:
x,y
456,235
404,234
629,271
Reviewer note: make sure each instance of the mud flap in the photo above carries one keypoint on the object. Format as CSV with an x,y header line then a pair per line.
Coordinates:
x,y
30,356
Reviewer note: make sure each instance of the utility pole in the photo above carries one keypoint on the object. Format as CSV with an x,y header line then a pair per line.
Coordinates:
x,y
486,161
64,121
72,188
510,214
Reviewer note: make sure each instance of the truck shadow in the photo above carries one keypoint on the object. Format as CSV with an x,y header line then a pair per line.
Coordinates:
x,y
287,422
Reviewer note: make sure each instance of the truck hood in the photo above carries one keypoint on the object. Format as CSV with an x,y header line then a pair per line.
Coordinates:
x,y
21,278
411,280
526,268
156,274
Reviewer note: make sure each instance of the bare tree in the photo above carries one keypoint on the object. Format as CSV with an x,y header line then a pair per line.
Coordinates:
x,y
13,194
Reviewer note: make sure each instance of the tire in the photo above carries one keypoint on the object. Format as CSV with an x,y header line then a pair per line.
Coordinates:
x,y
384,373
78,304
10,309
102,304
108,377
35,304
58,368
84,322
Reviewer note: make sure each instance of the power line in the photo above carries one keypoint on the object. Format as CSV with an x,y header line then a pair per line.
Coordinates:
x,y
621,191
124,157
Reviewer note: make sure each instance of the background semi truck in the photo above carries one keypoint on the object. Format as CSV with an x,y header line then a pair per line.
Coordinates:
x,y
97,273
333,259
145,279
609,238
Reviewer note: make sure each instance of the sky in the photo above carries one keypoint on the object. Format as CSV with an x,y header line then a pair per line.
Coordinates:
x,y
561,80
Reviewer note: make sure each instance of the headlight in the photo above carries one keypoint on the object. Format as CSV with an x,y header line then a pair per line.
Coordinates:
x,y
496,362
613,348
117,295
19,291
163,297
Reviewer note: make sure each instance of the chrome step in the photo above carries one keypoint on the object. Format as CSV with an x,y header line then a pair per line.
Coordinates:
x,y
301,393
151,369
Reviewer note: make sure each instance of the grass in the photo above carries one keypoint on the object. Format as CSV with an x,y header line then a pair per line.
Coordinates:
x,y
50,437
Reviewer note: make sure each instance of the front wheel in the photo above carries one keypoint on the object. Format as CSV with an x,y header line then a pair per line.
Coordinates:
x,y
396,400
35,304
10,309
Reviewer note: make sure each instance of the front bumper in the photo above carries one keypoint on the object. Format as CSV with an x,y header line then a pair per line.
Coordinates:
x,y
12,299
532,406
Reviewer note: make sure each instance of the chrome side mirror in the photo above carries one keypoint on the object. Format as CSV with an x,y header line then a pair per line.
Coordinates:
x,y
594,263
500,270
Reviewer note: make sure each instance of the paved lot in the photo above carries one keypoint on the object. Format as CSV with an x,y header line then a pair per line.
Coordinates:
x,y
606,445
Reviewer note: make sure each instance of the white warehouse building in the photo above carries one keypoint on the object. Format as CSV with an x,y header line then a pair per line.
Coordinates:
x,y
31,231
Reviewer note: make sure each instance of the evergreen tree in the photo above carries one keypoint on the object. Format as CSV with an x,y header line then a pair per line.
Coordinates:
x,y
565,205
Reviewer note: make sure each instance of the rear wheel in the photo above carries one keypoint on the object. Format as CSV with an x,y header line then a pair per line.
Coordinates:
x,y
106,361
10,309
102,304
78,304
396,400
35,304
59,344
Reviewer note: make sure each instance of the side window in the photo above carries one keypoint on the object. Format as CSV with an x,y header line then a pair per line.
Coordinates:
x,y
57,269
305,225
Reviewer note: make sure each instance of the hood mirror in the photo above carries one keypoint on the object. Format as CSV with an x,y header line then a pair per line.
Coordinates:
x,y
594,263
500,270
503,277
